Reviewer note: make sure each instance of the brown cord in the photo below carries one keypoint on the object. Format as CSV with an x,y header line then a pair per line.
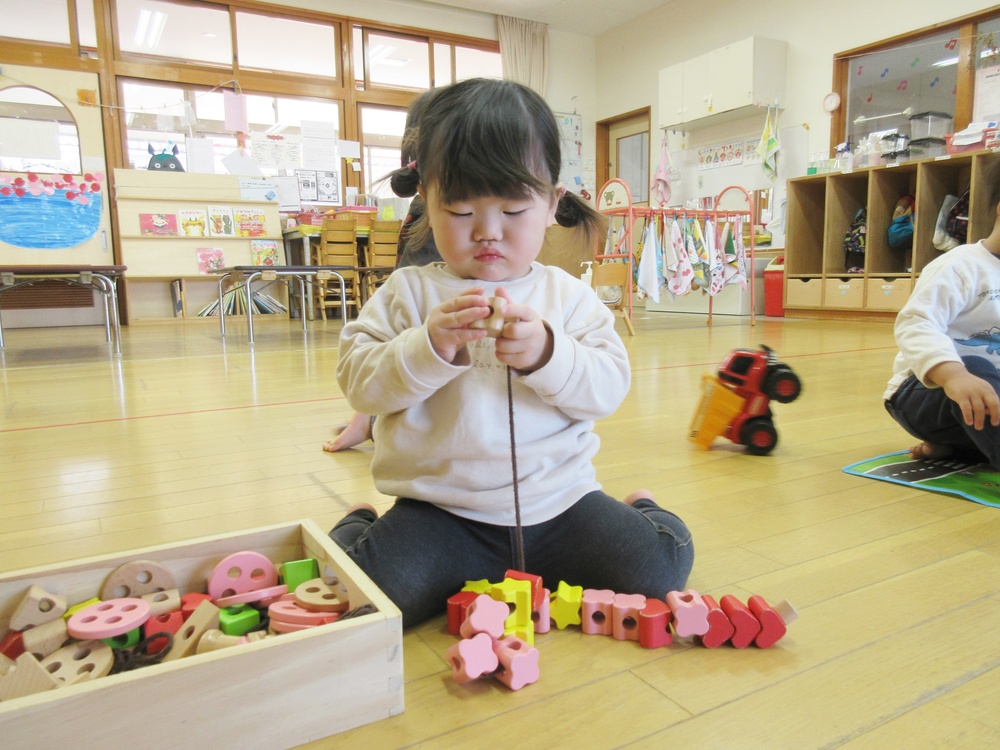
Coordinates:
x,y
513,465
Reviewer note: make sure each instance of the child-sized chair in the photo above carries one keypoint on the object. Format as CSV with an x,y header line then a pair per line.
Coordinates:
x,y
614,275
338,247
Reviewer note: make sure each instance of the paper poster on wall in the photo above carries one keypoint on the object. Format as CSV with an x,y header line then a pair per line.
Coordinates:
x,y
571,147
288,193
276,151
721,155
307,184
258,190
328,187
319,145
200,155
987,95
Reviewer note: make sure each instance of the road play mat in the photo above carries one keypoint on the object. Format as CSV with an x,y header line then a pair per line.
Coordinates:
x,y
976,482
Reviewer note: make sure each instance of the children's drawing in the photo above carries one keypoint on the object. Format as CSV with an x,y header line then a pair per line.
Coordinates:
x,y
50,214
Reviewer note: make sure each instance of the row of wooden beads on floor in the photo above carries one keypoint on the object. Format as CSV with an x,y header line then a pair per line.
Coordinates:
x,y
497,622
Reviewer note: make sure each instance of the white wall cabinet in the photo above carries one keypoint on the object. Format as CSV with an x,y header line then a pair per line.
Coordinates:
x,y
723,83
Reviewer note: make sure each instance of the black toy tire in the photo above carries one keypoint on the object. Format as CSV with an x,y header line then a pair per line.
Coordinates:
x,y
782,385
759,436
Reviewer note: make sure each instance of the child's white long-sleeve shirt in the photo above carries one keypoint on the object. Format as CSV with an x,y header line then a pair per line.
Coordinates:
x,y
442,430
953,311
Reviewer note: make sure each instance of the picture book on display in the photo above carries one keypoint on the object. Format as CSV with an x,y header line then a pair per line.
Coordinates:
x,y
210,259
193,222
264,252
220,222
250,222
158,225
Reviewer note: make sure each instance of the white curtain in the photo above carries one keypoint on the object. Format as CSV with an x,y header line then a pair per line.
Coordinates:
x,y
524,51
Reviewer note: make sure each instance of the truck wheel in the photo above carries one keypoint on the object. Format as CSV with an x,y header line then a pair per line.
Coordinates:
x,y
759,436
783,385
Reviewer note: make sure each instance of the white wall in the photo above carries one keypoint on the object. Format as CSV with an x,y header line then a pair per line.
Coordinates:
x,y
630,56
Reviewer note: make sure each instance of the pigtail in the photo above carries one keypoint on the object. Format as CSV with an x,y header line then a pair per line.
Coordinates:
x,y
574,211
405,181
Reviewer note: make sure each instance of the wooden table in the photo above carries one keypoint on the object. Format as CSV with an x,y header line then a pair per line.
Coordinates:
x,y
102,279
246,275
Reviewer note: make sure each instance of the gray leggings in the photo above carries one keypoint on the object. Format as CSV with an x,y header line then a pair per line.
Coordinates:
x,y
419,554
928,414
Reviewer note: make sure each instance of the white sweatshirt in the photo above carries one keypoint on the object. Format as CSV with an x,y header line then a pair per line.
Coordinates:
x,y
954,311
442,431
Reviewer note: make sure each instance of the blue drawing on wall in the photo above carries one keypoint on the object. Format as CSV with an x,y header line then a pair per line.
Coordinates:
x,y
52,214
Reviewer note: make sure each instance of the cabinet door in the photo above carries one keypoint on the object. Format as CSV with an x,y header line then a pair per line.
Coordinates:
x,y
697,89
732,71
671,107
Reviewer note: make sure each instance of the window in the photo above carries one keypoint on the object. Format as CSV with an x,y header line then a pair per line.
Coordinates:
x,y
37,133
476,63
889,86
39,21
311,48
186,33
381,132
158,117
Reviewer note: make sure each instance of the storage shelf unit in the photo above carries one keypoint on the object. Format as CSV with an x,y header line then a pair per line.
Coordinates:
x,y
820,209
155,263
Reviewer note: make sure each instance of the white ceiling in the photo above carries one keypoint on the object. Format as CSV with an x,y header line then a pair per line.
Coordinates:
x,y
586,17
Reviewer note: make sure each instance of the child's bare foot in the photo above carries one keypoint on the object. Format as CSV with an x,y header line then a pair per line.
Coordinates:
x,y
637,495
930,451
349,435
361,506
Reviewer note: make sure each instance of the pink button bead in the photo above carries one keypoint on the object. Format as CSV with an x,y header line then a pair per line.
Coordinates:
x,y
108,619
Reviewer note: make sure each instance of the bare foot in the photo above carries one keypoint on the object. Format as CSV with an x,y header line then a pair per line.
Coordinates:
x,y
349,435
637,495
930,451
361,506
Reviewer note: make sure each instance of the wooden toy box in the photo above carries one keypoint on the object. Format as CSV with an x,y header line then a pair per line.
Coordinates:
x,y
276,693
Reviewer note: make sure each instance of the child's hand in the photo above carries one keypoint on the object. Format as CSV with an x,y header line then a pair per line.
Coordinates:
x,y
448,323
525,343
974,396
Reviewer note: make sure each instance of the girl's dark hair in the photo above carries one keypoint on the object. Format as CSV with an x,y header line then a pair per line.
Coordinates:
x,y
485,137
405,180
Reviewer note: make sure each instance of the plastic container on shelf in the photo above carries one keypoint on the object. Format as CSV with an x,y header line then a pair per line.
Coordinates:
x,y
774,288
930,125
926,148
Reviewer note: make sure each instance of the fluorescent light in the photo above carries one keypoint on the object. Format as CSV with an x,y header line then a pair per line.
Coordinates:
x,y
150,28
949,61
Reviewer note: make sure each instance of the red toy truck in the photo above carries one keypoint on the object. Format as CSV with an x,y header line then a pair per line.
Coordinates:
x,y
735,403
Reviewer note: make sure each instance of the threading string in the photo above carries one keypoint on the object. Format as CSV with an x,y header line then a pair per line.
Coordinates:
x,y
513,465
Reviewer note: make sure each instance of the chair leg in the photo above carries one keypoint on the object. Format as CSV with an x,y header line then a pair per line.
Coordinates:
x,y
628,323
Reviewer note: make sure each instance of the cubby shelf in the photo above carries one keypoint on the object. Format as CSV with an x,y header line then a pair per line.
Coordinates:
x,y
820,209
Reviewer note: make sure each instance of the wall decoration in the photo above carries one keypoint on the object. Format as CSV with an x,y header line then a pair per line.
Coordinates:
x,y
50,214
164,161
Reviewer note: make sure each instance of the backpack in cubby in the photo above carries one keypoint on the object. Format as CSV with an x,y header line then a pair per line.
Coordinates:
x,y
855,241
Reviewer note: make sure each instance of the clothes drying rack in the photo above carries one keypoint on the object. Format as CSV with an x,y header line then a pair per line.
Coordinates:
x,y
615,200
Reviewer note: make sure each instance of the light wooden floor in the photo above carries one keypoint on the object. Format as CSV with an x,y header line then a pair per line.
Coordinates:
x,y
897,644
